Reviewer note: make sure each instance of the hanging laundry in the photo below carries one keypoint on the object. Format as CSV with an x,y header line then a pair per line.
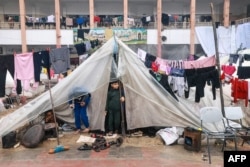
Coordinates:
x,y
80,48
24,68
239,90
41,59
7,63
163,80
60,59
80,33
227,74
149,59
233,58
200,63
199,77
141,54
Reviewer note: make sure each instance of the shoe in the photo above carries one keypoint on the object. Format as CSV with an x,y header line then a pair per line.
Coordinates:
x,y
86,130
85,147
119,142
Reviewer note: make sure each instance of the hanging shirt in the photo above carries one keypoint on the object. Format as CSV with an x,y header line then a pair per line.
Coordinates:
x,y
24,68
239,90
60,59
51,19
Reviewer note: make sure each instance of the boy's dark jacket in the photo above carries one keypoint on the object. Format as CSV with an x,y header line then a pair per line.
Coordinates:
x,y
113,100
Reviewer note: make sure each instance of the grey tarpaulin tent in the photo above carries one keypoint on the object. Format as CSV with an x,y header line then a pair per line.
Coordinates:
x,y
147,102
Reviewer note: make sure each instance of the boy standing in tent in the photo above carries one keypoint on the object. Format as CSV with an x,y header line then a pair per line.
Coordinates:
x,y
80,110
113,107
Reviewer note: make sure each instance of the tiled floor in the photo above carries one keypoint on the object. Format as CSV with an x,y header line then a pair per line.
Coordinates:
x,y
134,152
125,156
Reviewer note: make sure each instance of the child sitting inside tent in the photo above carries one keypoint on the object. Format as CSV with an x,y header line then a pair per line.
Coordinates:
x,y
50,125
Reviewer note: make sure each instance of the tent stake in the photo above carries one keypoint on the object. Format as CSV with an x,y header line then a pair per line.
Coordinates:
x,y
53,111
217,60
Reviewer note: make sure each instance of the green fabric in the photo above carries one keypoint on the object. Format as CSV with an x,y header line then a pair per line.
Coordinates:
x,y
114,120
113,107
113,100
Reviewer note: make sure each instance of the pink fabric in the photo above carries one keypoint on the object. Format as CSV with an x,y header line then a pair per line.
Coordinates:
x,y
200,63
228,69
24,68
190,58
163,65
52,73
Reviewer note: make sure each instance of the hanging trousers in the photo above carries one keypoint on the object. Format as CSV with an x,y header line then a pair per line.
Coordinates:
x,y
7,63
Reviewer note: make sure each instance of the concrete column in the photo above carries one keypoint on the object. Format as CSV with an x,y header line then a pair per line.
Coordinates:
x,y
192,26
226,11
125,13
159,28
91,14
22,24
58,23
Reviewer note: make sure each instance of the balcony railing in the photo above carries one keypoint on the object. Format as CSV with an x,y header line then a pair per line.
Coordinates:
x,y
151,25
242,21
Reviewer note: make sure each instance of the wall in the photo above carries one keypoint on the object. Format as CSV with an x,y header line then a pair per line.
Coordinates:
x,y
35,37
175,36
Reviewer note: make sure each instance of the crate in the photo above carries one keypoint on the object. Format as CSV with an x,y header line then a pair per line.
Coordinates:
x,y
192,139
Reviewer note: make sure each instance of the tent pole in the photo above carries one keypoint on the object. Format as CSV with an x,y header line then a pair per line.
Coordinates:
x,y
120,91
217,59
122,112
53,110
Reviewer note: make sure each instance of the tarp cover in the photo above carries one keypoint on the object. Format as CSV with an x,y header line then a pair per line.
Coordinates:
x,y
147,102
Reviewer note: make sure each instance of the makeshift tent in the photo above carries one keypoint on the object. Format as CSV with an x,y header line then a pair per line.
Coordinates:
x,y
147,102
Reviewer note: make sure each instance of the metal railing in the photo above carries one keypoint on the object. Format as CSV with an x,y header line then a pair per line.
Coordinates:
x,y
242,21
152,25
9,25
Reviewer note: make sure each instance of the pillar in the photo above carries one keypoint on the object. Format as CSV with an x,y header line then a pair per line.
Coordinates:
x,y
226,13
192,26
58,23
159,28
91,14
125,14
22,24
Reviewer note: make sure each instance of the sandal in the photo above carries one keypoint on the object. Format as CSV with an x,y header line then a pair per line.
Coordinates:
x,y
85,147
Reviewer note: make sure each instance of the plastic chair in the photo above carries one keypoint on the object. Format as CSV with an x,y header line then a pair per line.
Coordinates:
x,y
213,116
234,116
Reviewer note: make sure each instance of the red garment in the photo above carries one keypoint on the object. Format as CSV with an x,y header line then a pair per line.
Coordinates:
x,y
97,19
239,90
155,66
228,69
